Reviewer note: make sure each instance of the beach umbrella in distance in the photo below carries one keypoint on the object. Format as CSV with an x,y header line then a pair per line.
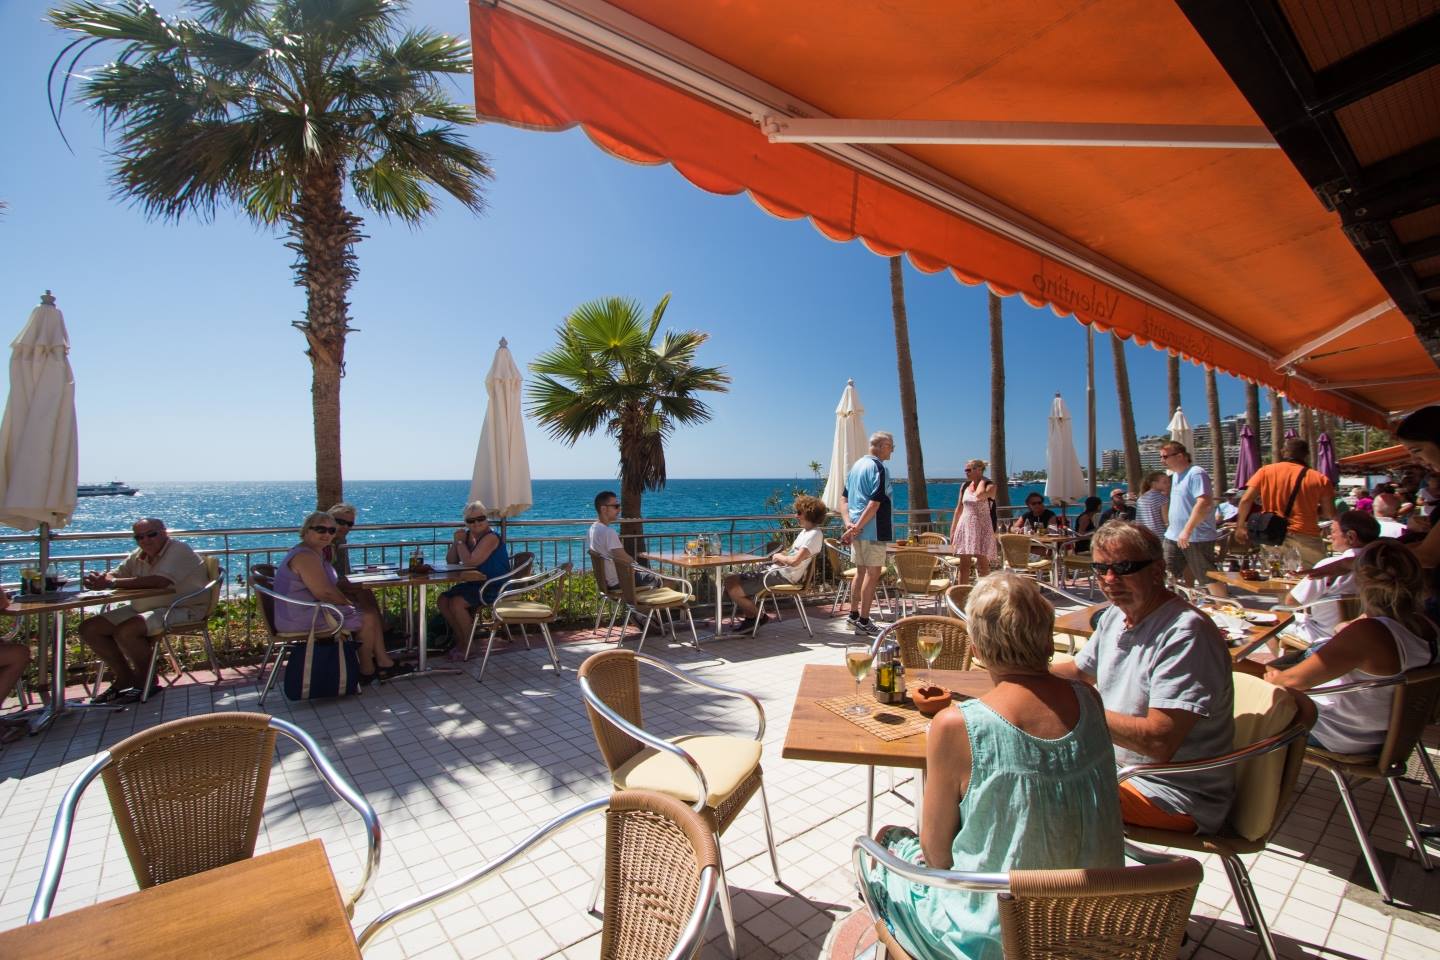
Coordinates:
x,y
1325,461
1063,480
1249,459
851,443
1290,433
501,479
1180,430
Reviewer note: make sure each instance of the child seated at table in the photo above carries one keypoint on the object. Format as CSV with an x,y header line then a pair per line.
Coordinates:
x,y
786,566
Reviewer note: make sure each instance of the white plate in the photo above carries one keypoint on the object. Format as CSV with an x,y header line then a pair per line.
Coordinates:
x,y
1260,618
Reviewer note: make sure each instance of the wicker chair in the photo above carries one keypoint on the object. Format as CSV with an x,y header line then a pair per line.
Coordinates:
x,y
512,609
844,566
915,577
174,624
1124,913
1416,694
187,796
662,873
1015,551
1078,563
1270,728
932,539
664,600
717,775
775,588
328,621
954,599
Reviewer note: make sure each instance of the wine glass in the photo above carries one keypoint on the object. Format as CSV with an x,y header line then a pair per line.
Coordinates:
x,y
928,642
858,658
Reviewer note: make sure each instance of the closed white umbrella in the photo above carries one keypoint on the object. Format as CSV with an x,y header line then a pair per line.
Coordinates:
x,y
1180,430
501,479
1063,480
851,443
39,445
39,454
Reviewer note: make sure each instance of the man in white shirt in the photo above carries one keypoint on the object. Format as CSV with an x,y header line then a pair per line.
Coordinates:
x,y
1385,509
121,635
1349,533
786,566
603,539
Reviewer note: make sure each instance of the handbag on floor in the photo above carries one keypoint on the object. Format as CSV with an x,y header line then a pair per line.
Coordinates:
x,y
324,667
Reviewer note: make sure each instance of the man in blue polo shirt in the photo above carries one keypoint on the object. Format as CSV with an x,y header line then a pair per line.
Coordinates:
x,y
865,505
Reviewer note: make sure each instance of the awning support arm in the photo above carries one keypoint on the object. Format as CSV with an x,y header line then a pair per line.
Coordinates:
x,y
1334,333
782,129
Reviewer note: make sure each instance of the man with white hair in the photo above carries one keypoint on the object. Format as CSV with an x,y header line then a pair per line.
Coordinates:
x,y
1385,509
865,505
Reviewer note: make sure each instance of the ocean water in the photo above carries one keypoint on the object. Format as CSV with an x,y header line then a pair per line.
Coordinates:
x,y
231,505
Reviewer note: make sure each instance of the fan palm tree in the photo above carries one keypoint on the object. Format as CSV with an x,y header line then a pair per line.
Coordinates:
x,y
1129,440
915,489
1217,436
273,107
1172,385
608,372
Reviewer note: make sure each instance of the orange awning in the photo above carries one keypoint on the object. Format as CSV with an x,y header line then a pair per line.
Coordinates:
x,y
1224,256
1377,460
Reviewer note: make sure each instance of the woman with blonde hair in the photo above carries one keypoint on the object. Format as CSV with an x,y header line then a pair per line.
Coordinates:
x,y
480,546
1008,778
972,532
305,574
1393,636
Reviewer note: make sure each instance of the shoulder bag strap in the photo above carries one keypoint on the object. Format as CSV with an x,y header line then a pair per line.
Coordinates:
x,y
1290,504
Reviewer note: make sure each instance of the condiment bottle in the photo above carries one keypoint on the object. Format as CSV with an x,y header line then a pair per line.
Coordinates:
x,y
417,560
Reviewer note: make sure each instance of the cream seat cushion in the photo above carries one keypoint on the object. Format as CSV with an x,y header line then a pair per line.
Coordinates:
x,y
1261,710
785,588
725,761
937,586
659,596
524,609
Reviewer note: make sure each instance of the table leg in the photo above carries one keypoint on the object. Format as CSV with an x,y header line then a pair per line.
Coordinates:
x,y
719,603
422,631
919,799
52,640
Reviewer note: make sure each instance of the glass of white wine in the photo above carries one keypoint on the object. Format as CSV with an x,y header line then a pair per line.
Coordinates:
x,y
858,658
928,642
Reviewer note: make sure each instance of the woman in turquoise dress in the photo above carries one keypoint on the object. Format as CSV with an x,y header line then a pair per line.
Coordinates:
x,y
1022,778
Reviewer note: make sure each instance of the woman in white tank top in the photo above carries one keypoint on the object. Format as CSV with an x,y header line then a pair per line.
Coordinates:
x,y
1393,636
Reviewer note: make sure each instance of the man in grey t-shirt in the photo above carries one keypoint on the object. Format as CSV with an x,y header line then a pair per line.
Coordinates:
x,y
1163,672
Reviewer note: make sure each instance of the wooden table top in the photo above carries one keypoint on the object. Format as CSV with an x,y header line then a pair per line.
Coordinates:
x,y
1077,622
439,573
283,904
680,559
1232,578
75,599
818,734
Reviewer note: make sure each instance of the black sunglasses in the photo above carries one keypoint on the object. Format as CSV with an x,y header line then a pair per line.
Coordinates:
x,y
616,504
345,523
1122,568
476,519
146,536
319,529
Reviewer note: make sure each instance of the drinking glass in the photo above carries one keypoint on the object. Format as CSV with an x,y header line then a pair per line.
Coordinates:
x,y
858,659
928,642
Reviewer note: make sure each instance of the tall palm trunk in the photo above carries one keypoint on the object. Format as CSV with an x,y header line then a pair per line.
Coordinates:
x,y
1172,383
1252,409
1090,408
1277,425
1217,436
632,479
324,235
916,492
1127,414
997,404
1307,427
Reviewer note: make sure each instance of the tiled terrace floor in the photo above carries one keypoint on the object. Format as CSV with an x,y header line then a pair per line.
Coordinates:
x,y
459,770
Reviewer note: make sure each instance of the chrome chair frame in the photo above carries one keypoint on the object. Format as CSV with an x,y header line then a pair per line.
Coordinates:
x,y
691,936
1245,896
65,821
514,587
685,587
1366,847
765,596
288,644
592,700
164,637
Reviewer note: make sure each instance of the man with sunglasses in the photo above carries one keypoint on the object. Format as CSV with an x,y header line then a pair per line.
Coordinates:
x,y
1163,673
122,635
338,555
1190,536
603,539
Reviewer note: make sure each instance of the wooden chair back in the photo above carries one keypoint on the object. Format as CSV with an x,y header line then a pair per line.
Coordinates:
x,y
1015,549
931,539
1413,707
915,569
955,652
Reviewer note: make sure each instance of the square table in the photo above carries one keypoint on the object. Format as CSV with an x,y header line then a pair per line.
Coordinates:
x,y
1078,623
438,573
281,904
715,561
816,733
51,607
1275,585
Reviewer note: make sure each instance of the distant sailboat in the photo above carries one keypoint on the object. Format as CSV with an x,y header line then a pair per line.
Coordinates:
x,y
112,489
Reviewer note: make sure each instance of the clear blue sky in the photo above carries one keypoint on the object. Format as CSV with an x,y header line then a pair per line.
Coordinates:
x,y
187,367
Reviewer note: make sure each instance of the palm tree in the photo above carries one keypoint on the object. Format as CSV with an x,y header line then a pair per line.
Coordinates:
x,y
1172,383
916,491
1127,414
1252,409
1217,437
608,372
997,403
1277,425
273,108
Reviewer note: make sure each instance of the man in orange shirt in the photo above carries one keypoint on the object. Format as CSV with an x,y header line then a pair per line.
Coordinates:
x,y
1272,485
